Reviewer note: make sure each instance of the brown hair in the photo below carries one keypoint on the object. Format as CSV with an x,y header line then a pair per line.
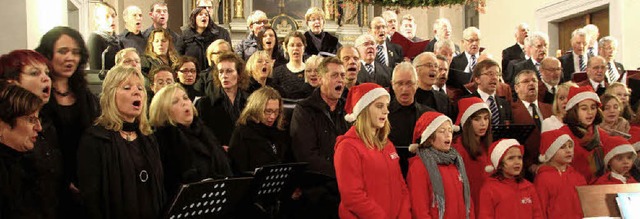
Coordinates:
x,y
469,142
243,77
256,104
322,67
484,64
154,71
573,122
181,61
15,102
172,54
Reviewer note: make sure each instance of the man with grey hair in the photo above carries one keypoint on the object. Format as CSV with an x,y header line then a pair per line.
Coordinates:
x,y
372,70
441,31
445,48
607,49
463,64
592,35
403,109
516,52
132,36
536,46
387,53
427,67
550,76
392,22
576,60
255,22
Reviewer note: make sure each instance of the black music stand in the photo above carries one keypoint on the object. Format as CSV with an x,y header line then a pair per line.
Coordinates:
x,y
268,183
208,199
515,131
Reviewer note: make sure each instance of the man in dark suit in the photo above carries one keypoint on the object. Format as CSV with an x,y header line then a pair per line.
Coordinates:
x,y
607,49
536,46
486,76
576,60
464,62
388,54
426,65
550,72
404,111
516,52
443,74
528,111
441,31
371,70
596,70
391,18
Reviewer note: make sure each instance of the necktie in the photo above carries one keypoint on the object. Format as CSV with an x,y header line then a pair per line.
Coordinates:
x,y
442,91
534,114
473,63
369,68
590,52
600,90
380,55
613,77
553,90
581,62
495,114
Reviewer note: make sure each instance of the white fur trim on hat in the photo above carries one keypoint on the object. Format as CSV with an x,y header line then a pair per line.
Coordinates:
x,y
620,149
364,101
498,151
472,109
432,127
580,97
555,146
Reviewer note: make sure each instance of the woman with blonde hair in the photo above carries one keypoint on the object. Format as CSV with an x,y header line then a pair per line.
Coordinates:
x,y
623,93
367,170
311,71
160,50
612,121
559,102
119,155
189,150
259,68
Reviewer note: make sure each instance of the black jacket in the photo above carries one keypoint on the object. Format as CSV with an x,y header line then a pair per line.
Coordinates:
x,y
395,54
247,47
107,178
329,44
504,107
511,53
314,129
195,45
213,113
567,66
254,145
190,154
381,75
98,43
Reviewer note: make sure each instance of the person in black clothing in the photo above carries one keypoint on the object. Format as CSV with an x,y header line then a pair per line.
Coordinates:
x,y
132,36
73,107
257,21
198,36
119,169
220,110
103,43
187,71
290,77
209,5
160,51
159,14
268,41
259,68
317,39
426,65
189,151
204,83
316,122
24,189
259,138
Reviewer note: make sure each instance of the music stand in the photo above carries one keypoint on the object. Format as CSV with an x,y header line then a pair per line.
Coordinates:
x,y
208,199
515,131
268,183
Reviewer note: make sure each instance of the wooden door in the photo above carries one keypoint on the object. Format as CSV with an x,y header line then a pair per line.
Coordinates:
x,y
599,18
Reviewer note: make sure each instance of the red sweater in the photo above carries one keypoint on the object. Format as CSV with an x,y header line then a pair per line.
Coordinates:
x,y
509,200
475,170
422,205
370,181
557,192
583,160
607,179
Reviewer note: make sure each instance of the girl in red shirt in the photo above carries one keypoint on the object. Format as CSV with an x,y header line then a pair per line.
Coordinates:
x,y
506,194
618,159
437,181
367,169
556,179
474,116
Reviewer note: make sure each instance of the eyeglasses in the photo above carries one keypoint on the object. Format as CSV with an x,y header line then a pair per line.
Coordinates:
x,y
34,120
492,74
129,61
188,71
428,65
472,40
269,112
528,81
553,69
263,22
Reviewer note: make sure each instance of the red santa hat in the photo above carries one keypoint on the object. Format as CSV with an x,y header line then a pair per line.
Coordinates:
x,y
635,137
551,142
578,94
497,150
359,97
615,145
467,107
425,126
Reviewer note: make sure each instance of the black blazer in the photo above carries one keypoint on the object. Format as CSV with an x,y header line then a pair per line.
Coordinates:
x,y
251,147
432,46
504,107
395,55
381,75
511,53
329,44
620,69
567,66
458,78
212,112
442,102
459,62
519,66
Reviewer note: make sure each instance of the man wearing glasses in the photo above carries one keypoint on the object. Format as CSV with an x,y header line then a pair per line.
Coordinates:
x,y
550,75
486,75
427,67
256,21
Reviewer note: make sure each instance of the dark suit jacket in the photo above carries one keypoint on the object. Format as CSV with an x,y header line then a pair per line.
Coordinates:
x,y
459,62
512,53
432,46
567,66
502,90
522,65
458,78
329,44
531,146
504,107
442,103
544,95
588,83
381,75
620,69
395,54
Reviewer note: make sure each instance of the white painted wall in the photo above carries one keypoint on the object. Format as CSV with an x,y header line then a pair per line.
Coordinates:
x,y
42,16
15,19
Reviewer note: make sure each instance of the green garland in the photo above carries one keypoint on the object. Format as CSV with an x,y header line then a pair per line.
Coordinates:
x,y
412,3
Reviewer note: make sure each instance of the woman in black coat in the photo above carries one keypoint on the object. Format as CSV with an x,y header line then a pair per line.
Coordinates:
x,y
189,150
260,138
198,36
268,41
